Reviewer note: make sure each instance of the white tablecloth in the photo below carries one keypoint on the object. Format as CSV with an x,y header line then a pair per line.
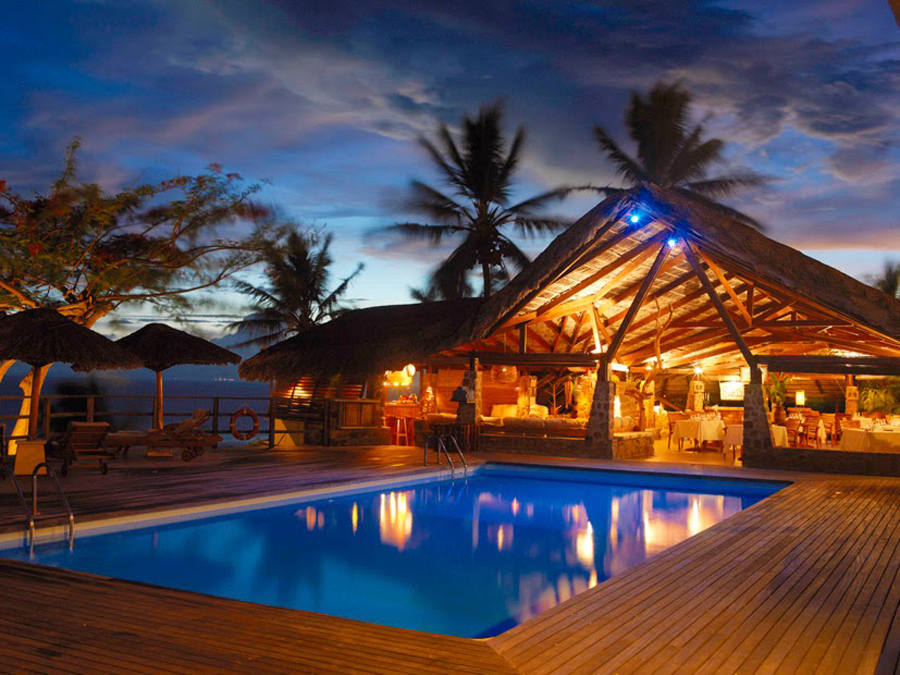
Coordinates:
x,y
860,440
779,436
734,435
700,430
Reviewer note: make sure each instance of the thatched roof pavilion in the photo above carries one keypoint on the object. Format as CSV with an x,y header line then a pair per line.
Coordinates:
x,y
366,341
568,304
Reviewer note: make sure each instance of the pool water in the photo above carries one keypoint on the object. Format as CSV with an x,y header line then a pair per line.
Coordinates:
x,y
469,557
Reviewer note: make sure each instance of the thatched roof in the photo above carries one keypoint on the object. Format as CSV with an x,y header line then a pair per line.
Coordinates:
x,y
159,347
602,259
366,341
732,243
40,337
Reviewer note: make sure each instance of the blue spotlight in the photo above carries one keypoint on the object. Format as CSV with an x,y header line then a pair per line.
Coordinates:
x,y
634,218
672,242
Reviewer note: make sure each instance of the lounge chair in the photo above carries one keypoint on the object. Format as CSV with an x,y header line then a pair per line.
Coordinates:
x,y
85,440
187,435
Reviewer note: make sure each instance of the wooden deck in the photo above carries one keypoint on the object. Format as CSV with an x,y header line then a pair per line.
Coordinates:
x,y
805,581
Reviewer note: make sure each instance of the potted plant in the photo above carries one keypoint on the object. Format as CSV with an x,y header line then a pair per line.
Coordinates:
x,y
776,390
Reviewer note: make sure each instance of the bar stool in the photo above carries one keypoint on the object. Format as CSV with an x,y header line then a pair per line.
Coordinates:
x,y
399,430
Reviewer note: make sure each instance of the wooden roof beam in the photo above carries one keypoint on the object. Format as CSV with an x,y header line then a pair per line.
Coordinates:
x,y
728,289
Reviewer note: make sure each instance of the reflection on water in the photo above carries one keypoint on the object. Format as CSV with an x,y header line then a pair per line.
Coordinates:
x,y
468,557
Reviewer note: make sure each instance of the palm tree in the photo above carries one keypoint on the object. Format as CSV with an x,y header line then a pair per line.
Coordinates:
x,y
671,153
889,279
297,296
478,169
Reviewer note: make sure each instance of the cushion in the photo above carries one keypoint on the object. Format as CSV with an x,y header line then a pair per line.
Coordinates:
x,y
504,410
492,421
538,411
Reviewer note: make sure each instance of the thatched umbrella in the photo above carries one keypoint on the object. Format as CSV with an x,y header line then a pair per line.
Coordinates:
x,y
40,337
160,347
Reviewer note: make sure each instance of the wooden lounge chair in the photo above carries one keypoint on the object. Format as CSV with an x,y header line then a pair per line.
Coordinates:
x,y
85,440
186,435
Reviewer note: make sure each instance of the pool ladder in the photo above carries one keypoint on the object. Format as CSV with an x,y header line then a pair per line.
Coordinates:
x,y
441,443
31,512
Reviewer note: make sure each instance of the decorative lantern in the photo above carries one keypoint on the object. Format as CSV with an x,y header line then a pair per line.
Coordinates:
x,y
504,374
410,370
800,398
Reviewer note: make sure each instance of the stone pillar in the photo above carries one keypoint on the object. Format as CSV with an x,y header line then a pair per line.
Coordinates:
x,y
599,434
470,411
757,435
851,400
523,396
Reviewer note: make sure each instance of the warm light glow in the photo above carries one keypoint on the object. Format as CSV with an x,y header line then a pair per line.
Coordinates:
x,y
395,519
504,374
354,517
620,367
800,398
698,370
584,545
398,378
410,370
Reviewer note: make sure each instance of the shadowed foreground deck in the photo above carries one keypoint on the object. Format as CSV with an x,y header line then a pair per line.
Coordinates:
x,y
805,581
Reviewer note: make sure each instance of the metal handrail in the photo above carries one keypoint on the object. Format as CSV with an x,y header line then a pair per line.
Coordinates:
x,y
447,438
29,514
60,492
447,455
439,447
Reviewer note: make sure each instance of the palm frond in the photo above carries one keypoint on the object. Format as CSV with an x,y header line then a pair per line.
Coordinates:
x,y
535,227
626,167
722,186
433,204
434,233
532,204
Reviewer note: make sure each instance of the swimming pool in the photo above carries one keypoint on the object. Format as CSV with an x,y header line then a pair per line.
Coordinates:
x,y
469,557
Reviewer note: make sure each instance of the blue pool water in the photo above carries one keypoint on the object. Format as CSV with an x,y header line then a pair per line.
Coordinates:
x,y
469,557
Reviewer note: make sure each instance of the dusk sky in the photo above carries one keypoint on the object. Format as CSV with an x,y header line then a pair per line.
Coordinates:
x,y
324,99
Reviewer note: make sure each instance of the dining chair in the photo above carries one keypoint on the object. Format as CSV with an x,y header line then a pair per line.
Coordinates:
x,y
811,428
792,424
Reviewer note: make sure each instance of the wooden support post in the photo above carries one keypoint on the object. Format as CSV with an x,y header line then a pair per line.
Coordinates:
x,y
691,255
90,408
271,412
617,339
523,338
215,413
158,423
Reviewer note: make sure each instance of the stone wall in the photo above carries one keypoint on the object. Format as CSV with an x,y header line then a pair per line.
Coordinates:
x,y
598,437
624,446
826,461
757,434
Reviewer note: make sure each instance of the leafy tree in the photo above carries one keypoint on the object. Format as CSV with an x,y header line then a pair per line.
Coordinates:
x,y
86,252
672,153
478,168
297,296
889,279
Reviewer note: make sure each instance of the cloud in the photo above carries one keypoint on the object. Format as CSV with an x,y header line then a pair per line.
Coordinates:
x,y
325,99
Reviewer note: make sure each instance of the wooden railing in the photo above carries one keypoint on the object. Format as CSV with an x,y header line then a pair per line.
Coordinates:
x,y
221,408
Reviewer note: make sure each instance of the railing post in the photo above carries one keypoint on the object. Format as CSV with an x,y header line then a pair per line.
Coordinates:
x,y
46,418
215,415
90,408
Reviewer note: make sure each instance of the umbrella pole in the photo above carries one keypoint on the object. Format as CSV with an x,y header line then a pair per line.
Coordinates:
x,y
37,381
159,399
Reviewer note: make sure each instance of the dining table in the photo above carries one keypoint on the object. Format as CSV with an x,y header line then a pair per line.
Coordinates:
x,y
701,431
880,439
